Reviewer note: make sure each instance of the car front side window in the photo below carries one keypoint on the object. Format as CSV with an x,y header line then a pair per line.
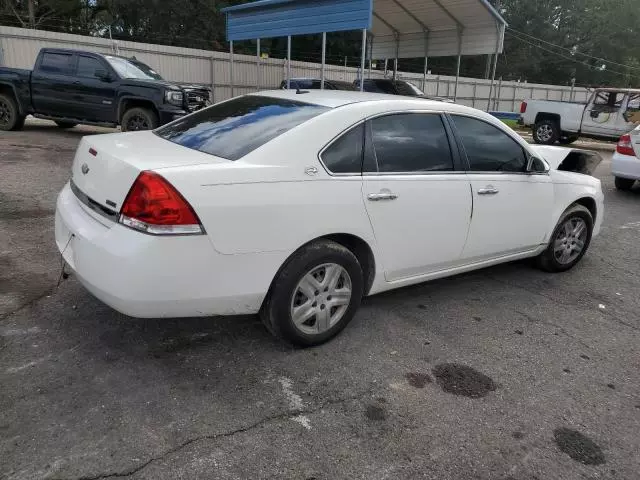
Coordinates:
x,y
489,149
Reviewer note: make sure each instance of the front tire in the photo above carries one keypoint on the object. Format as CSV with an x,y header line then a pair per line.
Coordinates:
x,y
569,241
624,183
315,295
66,124
136,119
10,118
546,132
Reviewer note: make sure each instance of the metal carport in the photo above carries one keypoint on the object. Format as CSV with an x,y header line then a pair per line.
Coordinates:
x,y
395,28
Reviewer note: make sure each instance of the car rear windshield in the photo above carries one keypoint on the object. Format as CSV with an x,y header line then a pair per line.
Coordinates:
x,y
235,128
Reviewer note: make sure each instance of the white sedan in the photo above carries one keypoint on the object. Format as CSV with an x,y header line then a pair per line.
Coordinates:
x,y
625,164
296,205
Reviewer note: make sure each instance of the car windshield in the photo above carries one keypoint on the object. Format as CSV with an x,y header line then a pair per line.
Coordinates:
x,y
131,69
235,128
146,69
408,88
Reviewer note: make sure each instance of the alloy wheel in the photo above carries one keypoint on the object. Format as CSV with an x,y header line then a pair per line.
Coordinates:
x,y
545,132
570,240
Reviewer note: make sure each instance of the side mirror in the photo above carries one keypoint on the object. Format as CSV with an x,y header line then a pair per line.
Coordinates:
x,y
535,165
102,75
594,114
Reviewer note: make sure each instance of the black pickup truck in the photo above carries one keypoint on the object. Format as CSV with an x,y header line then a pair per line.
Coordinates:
x,y
72,87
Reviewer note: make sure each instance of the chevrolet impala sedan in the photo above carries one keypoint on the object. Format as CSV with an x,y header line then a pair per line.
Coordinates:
x,y
295,205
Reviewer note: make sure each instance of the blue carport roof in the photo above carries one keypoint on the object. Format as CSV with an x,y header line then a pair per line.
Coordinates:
x,y
406,28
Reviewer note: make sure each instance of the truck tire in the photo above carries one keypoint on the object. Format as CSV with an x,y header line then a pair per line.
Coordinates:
x,y
138,118
546,132
66,124
10,118
624,183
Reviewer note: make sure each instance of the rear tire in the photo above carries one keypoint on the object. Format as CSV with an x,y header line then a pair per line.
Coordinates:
x,y
137,119
66,124
624,184
315,295
10,118
546,132
562,253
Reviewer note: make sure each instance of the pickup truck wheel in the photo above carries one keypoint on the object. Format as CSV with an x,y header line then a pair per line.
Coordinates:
x,y
569,241
546,132
137,119
624,183
66,124
10,118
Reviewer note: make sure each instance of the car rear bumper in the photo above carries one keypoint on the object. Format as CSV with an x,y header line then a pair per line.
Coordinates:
x,y
153,276
625,166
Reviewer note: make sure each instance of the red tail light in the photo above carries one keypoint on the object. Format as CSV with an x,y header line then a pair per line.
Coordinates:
x,y
523,107
624,146
154,206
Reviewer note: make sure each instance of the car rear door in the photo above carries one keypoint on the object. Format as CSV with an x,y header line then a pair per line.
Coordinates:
x,y
416,195
52,84
511,208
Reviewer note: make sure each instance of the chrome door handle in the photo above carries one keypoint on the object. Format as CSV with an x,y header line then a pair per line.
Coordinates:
x,y
376,197
488,190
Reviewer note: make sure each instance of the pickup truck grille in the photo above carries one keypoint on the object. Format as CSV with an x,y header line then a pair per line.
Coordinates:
x,y
197,99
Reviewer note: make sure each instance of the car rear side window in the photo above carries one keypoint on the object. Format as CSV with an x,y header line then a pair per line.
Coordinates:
x,y
344,155
59,63
489,149
235,128
412,142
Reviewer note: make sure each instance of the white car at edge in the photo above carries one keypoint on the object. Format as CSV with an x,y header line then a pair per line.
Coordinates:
x,y
625,164
296,205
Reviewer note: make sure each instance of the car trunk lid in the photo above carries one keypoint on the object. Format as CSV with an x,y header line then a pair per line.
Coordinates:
x,y
105,166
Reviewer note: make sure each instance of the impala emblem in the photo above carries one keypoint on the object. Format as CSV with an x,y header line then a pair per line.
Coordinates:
x,y
84,168
311,171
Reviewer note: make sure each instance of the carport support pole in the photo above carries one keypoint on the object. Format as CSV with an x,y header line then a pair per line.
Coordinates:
x,y
495,64
455,90
258,82
395,60
362,58
288,62
231,66
324,54
426,61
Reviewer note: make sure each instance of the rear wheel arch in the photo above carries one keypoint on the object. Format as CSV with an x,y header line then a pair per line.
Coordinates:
x,y
359,247
548,116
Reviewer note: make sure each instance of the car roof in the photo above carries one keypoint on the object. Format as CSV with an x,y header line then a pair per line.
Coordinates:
x,y
339,98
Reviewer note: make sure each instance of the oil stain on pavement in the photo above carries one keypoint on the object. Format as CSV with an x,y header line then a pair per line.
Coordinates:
x,y
579,447
463,380
375,413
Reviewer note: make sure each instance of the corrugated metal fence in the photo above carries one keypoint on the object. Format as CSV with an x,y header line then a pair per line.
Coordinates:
x,y
19,48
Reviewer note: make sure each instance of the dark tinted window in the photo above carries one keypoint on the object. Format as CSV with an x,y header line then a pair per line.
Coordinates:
x,y
489,149
232,129
345,154
56,63
87,66
411,142
379,86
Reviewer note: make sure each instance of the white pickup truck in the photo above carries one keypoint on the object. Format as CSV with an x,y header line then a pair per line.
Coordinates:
x,y
609,113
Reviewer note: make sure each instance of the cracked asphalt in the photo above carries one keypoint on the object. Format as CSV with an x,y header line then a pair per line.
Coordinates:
x,y
504,373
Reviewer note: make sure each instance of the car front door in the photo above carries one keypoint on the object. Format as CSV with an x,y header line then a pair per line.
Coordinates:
x,y
416,195
94,95
511,208
52,83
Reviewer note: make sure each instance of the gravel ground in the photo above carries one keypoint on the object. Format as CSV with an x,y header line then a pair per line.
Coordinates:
x,y
504,373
